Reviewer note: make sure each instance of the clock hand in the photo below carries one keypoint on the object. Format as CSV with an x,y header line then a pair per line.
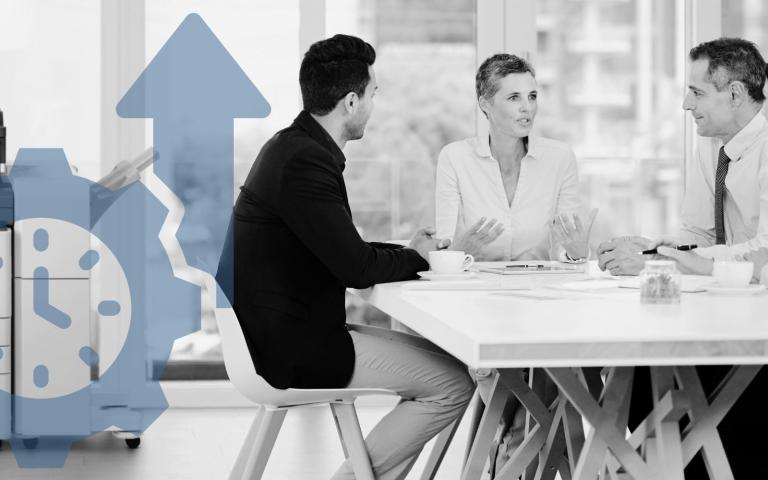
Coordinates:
x,y
42,305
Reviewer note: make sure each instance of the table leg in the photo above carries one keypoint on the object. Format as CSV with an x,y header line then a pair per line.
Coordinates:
x,y
705,414
477,408
606,434
574,436
494,408
667,451
554,448
542,418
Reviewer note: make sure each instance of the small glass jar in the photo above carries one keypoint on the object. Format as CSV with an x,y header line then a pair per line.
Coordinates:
x,y
660,282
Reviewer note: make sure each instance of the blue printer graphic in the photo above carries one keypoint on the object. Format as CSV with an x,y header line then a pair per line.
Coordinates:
x,y
6,278
76,344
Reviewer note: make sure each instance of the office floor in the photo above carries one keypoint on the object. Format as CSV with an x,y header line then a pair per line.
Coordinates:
x,y
192,444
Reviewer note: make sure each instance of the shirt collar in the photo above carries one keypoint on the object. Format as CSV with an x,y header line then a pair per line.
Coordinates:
x,y
305,121
745,137
483,146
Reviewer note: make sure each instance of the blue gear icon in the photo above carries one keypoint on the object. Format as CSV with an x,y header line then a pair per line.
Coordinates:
x,y
162,306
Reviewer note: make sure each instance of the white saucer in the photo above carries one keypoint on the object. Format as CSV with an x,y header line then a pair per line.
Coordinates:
x,y
430,275
748,290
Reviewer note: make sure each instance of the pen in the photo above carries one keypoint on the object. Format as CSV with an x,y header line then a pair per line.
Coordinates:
x,y
683,248
534,265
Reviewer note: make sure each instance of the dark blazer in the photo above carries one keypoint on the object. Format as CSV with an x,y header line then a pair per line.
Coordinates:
x,y
296,251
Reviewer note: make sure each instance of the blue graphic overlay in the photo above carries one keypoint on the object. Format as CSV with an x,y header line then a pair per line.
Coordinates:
x,y
89,260
42,305
194,89
45,188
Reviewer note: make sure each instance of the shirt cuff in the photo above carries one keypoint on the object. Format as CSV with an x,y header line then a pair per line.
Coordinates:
x,y
565,258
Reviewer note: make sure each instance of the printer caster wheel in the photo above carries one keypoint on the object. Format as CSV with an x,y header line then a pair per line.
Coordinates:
x,y
30,443
133,443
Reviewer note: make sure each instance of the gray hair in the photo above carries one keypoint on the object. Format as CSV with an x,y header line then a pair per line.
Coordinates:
x,y
734,59
497,67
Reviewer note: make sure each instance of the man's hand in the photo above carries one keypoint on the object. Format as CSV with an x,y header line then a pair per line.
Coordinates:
x,y
621,255
688,262
664,241
573,235
760,259
477,236
423,242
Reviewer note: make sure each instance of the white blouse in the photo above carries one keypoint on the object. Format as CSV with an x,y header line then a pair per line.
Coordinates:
x,y
469,186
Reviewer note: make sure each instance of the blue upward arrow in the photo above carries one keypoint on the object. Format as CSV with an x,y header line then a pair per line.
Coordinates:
x,y
194,89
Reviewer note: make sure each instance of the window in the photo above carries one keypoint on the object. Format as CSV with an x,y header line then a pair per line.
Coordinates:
x,y
747,19
612,74
50,70
425,70
425,66
263,37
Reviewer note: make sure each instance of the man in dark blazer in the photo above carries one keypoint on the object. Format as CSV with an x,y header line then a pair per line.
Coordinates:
x,y
297,250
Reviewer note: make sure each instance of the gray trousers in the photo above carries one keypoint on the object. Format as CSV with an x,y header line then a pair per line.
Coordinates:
x,y
435,389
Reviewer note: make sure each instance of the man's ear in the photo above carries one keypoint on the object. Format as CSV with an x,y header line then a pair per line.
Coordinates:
x,y
739,93
482,102
350,102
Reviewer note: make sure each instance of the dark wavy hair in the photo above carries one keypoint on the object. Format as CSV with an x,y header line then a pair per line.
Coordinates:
x,y
331,69
734,59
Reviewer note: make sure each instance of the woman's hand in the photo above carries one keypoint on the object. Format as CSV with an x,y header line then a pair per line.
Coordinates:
x,y
573,234
477,236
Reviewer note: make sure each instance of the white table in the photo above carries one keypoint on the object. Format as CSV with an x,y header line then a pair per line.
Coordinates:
x,y
601,327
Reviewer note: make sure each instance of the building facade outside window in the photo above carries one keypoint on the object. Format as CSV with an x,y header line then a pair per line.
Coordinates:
x,y
612,75
747,19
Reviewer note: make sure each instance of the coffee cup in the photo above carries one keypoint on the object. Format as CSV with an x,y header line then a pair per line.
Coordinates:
x,y
449,261
732,274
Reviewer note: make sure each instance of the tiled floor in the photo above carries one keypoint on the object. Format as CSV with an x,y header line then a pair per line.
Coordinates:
x,y
192,444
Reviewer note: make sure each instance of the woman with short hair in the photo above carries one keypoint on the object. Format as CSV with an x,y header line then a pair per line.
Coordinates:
x,y
528,183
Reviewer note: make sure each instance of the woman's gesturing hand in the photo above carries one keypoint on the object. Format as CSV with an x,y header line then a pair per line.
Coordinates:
x,y
473,239
573,234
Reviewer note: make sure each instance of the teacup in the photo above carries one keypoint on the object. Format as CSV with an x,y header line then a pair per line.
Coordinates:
x,y
732,274
449,261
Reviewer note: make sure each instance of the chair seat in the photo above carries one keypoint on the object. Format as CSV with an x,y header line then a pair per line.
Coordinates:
x,y
237,360
292,397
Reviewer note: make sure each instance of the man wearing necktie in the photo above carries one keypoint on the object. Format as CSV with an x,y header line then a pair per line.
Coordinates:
x,y
725,208
725,212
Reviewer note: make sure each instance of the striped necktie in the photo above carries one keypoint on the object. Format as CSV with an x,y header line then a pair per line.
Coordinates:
x,y
722,171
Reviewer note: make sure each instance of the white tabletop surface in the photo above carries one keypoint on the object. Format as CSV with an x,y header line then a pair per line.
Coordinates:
x,y
603,325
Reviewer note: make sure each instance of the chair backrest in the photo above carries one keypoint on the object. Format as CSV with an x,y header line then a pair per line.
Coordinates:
x,y
237,356
237,359
225,271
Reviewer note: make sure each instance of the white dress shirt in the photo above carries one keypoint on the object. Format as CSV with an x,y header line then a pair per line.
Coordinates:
x,y
745,204
469,186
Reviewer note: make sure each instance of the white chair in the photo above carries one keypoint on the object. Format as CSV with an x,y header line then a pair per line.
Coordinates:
x,y
274,404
